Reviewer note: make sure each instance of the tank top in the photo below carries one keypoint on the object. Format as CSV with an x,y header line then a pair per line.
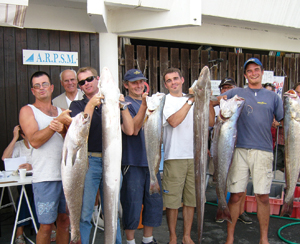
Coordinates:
x,y
46,160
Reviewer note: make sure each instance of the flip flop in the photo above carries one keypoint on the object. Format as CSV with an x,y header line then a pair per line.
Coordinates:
x,y
53,235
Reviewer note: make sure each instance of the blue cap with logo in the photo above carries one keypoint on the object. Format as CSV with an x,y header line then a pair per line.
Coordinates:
x,y
134,75
253,60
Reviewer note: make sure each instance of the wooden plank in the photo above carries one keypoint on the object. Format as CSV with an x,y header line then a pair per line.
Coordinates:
x,y
85,59
223,65
3,128
184,53
55,70
286,72
292,69
94,51
174,58
43,40
278,70
204,59
10,80
264,61
257,56
240,70
272,63
141,59
75,47
152,79
232,65
214,68
248,55
129,57
21,70
163,66
194,65
32,43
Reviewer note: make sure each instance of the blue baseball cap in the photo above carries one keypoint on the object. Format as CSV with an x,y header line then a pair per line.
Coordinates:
x,y
253,60
134,75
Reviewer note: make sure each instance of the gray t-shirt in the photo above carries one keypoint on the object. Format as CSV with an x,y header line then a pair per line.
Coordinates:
x,y
254,124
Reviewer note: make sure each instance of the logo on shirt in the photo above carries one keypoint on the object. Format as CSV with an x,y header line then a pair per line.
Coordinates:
x,y
261,103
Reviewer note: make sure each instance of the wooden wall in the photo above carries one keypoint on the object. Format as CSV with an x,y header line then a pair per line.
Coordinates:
x,y
14,76
154,60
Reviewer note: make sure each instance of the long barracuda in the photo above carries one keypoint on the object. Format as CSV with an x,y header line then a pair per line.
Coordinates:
x,y
292,148
112,153
153,130
202,92
224,140
74,166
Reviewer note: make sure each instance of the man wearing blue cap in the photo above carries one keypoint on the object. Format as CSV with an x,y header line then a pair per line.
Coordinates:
x,y
136,176
253,153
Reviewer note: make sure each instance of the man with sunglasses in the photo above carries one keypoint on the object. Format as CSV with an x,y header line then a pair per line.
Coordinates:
x,y
68,80
43,125
91,104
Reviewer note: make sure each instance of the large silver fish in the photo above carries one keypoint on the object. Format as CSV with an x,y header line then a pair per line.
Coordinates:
x,y
74,166
202,92
224,140
292,148
153,131
112,153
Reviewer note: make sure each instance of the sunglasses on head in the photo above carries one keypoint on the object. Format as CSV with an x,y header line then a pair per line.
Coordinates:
x,y
88,79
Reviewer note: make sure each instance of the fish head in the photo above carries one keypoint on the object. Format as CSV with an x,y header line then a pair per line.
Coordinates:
x,y
292,103
155,102
203,82
80,127
231,106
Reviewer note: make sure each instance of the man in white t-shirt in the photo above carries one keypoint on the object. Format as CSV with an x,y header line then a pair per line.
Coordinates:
x,y
179,176
68,79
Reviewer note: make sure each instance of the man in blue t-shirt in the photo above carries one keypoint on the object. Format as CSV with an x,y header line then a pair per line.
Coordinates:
x,y
136,176
254,152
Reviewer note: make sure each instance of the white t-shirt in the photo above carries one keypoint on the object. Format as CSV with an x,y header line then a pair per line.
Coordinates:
x,y
21,150
178,141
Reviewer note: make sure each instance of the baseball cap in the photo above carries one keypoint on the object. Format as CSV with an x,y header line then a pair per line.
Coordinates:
x,y
253,60
134,75
227,81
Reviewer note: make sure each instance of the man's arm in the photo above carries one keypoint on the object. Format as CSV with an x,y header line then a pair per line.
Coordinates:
x,y
138,120
175,119
127,121
93,102
30,128
211,114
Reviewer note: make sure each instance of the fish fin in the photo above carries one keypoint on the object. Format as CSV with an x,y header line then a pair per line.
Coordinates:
x,y
154,187
287,209
224,214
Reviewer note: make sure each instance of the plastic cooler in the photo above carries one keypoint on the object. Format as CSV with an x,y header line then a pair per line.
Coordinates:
x,y
296,205
275,199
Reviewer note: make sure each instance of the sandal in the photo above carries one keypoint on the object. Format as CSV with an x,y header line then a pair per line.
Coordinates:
x,y
20,240
53,235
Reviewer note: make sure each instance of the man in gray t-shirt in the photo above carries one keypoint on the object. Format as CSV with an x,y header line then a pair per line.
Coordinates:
x,y
253,154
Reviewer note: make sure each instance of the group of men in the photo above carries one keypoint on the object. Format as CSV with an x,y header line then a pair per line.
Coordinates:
x,y
45,125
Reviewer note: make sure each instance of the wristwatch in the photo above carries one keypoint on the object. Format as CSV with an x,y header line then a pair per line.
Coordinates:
x,y
123,107
189,102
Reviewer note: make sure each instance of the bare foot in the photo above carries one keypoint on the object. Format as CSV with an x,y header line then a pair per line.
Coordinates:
x,y
187,240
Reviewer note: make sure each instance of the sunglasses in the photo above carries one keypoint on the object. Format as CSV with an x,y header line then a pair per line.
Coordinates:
x,y
88,79
44,85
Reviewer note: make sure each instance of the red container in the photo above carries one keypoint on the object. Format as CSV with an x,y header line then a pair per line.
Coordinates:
x,y
296,205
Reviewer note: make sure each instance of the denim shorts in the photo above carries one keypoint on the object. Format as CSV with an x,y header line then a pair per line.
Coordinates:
x,y
49,200
134,194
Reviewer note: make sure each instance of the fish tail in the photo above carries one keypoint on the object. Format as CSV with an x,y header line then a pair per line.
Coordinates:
x,y
224,214
287,209
154,187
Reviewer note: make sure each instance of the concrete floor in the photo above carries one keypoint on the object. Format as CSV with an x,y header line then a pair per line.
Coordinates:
x,y
212,232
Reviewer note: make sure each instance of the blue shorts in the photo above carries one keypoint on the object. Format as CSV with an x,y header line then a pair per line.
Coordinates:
x,y
49,200
134,193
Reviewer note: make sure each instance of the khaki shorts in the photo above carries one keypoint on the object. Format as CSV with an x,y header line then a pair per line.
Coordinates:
x,y
179,183
258,163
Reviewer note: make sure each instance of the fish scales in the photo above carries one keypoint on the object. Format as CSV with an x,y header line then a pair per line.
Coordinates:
x,y
292,148
111,152
224,140
202,92
153,130
73,169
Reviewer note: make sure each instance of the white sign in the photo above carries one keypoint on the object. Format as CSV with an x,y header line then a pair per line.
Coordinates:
x,y
44,57
215,87
278,83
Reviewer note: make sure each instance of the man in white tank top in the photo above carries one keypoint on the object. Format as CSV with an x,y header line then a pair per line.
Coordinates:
x,y
43,125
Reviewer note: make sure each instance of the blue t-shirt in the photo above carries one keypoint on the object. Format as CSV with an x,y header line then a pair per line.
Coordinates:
x,y
255,121
134,150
